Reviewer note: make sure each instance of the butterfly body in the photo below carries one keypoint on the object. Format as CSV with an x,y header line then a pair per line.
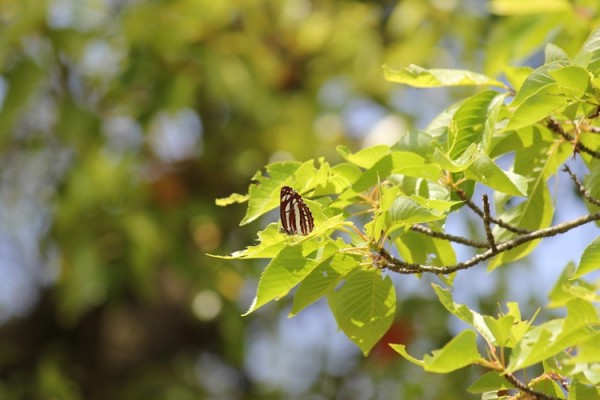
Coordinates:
x,y
296,217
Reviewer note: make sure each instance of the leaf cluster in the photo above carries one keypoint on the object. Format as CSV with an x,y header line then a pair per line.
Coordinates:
x,y
383,210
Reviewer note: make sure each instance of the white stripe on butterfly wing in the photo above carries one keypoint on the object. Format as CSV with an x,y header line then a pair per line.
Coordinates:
x,y
297,215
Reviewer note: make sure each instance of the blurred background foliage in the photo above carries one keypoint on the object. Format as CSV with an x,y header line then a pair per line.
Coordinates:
x,y
122,120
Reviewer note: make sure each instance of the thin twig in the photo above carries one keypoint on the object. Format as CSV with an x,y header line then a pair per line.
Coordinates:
x,y
595,114
402,267
524,388
579,147
463,196
593,129
447,236
486,223
582,190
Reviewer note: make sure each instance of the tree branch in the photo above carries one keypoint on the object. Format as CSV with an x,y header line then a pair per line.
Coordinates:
x,y
463,196
582,190
486,223
578,146
452,238
524,388
394,264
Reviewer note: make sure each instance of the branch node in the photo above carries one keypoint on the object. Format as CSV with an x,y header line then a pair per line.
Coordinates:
x,y
486,223
582,190
463,196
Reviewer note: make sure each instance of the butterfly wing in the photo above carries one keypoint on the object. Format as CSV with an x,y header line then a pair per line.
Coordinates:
x,y
296,217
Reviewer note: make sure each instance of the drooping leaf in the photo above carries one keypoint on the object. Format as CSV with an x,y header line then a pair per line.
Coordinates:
x,y
264,196
550,338
417,248
485,171
364,306
231,199
365,158
405,212
590,259
519,7
490,381
538,106
456,354
463,312
322,280
501,328
589,55
469,122
288,268
417,76
553,53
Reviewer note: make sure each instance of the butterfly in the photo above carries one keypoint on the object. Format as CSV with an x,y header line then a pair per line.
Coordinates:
x,y
296,217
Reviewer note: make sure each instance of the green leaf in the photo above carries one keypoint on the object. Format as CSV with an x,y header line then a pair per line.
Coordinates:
x,y
365,158
536,212
519,327
589,55
590,259
469,122
517,76
323,279
509,141
232,198
459,164
412,164
519,7
491,381
587,350
553,53
417,76
364,306
578,391
501,328
417,248
401,349
572,79
264,196
484,170
538,106
458,353
406,211
463,312
378,172
550,338
271,242
288,268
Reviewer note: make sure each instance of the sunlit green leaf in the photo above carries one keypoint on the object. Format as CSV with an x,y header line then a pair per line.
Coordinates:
x,y
552,337
456,354
407,211
484,170
364,306
518,7
490,381
589,55
288,268
553,53
418,248
416,76
264,196
590,259
463,312
231,199
469,122
401,349
322,280
365,158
